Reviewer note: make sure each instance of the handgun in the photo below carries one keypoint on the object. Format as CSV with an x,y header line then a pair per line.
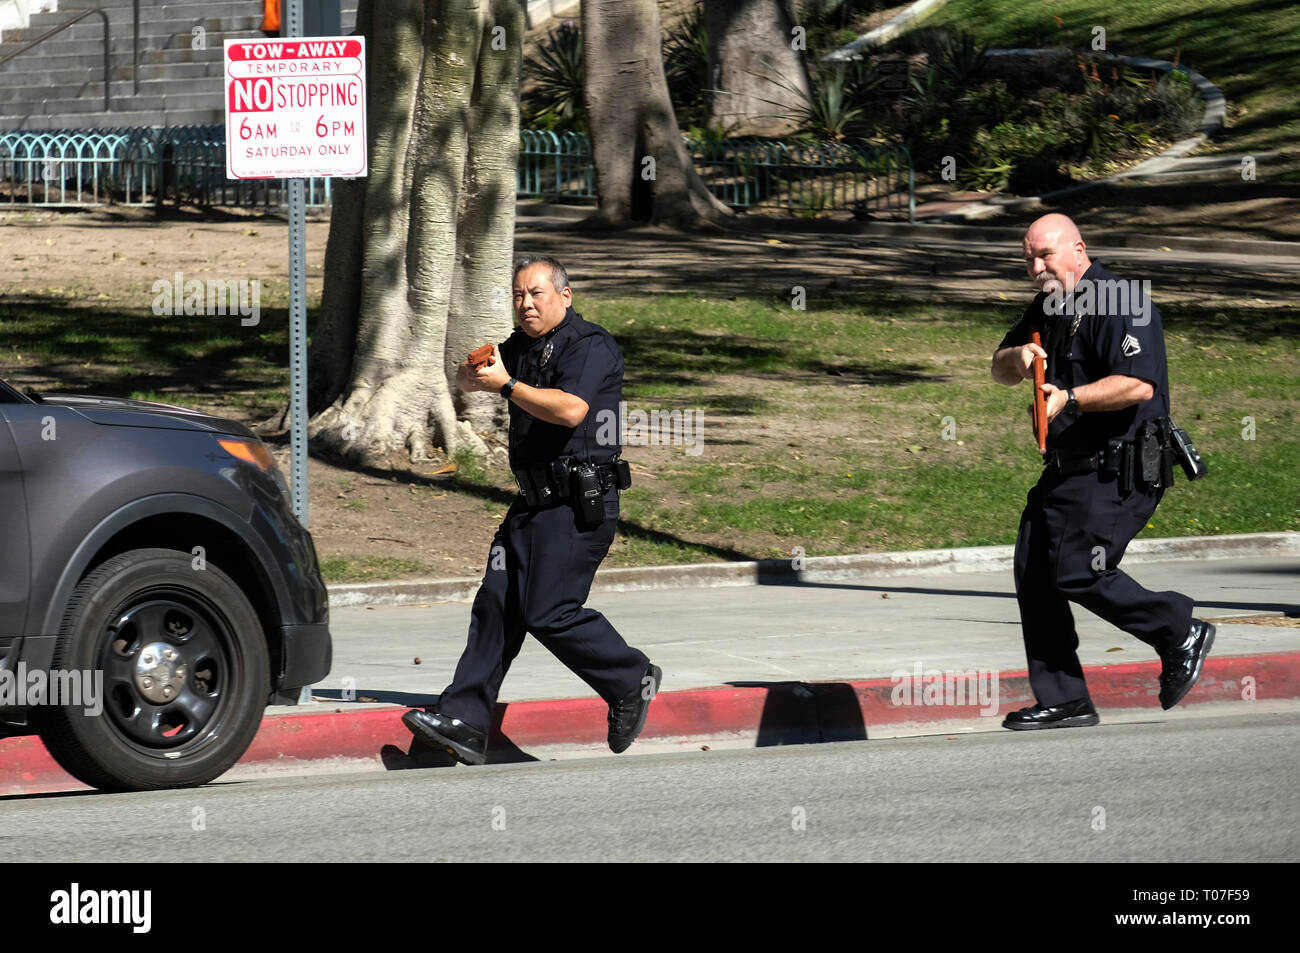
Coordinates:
x,y
1040,399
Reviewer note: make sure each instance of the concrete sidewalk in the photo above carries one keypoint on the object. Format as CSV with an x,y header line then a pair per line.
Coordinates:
x,y
848,629
767,664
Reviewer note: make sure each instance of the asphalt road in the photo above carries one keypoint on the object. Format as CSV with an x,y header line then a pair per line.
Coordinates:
x,y
1223,789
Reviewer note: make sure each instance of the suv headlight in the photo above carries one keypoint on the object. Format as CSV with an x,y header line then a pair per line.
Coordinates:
x,y
254,452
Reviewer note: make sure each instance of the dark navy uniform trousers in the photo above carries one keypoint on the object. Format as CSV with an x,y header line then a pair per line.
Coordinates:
x,y
1073,534
539,574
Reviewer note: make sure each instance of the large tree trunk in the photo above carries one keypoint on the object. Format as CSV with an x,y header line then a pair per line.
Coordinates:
x,y
643,171
417,267
758,80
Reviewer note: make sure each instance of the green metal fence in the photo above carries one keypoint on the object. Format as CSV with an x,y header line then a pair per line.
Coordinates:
x,y
807,176
66,168
745,173
139,166
188,164
555,165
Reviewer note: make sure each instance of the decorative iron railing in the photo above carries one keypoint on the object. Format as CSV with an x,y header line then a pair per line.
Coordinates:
x,y
188,164
758,174
140,166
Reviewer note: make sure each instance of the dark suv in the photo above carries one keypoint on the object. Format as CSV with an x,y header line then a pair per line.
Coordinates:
x,y
150,549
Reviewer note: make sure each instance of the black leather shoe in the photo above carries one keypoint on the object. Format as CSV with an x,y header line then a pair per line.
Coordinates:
x,y
627,716
1075,714
465,742
1181,668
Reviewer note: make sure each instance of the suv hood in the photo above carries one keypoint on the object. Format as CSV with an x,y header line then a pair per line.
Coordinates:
x,y
121,412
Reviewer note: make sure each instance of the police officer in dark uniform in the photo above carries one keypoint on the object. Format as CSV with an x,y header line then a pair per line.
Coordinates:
x,y
561,376
1107,465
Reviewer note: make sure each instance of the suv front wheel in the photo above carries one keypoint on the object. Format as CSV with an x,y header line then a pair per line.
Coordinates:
x,y
185,676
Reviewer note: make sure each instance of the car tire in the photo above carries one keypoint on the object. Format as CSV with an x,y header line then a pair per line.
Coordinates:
x,y
185,675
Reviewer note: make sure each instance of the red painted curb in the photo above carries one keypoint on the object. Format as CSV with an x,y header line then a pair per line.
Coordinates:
x,y
770,713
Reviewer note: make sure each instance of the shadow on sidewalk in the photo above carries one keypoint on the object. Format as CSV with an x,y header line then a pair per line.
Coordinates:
x,y
802,713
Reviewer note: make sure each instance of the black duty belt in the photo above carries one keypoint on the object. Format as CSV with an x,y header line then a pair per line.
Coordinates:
x,y
551,483
1072,461
1147,461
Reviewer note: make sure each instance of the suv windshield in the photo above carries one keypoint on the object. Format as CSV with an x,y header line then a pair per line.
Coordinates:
x,y
10,396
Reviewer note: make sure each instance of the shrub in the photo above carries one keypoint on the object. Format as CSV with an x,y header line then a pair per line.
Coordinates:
x,y
1020,123
555,100
686,67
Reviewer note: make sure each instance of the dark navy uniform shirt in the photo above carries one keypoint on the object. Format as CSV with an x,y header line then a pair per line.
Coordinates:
x,y
585,361
1117,332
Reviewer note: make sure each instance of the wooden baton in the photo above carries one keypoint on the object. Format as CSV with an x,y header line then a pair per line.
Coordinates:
x,y
1040,399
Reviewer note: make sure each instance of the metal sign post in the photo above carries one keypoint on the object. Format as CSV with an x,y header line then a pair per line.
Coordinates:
x,y
296,109
297,333
297,319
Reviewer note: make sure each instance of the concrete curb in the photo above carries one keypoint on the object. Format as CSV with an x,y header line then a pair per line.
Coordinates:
x,y
785,572
888,30
763,714
540,208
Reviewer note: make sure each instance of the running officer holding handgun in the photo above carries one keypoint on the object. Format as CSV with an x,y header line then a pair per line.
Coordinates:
x,y
1110,449
559,374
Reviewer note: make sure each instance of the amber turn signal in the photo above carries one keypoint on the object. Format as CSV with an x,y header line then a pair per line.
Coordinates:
x,y
249,451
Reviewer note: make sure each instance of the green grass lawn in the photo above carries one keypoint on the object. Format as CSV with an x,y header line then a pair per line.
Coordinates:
x,y
856,399
1249,48
858,425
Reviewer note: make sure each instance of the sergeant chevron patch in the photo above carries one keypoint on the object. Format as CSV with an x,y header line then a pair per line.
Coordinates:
x,y
1130,346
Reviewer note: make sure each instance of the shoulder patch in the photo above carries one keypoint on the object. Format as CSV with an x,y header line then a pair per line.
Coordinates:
x,y
1130,346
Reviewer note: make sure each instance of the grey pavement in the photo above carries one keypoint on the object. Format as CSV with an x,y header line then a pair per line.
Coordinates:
x,y
1187,790
848,629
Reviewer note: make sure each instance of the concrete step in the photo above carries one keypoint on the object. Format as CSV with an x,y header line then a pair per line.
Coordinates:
x,y
159,20
348,8
152,16
91,88
121,43
12,73
151,24
93,102
120,71
91,85
153,79
113,120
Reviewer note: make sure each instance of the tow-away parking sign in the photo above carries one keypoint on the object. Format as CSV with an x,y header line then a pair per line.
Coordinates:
x,y
296,108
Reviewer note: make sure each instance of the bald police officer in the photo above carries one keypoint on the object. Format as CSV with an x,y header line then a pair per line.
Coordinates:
x,y
560,375
1106,467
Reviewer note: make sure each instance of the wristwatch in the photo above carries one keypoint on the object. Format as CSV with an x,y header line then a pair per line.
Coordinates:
x,y
1071,402
508,388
